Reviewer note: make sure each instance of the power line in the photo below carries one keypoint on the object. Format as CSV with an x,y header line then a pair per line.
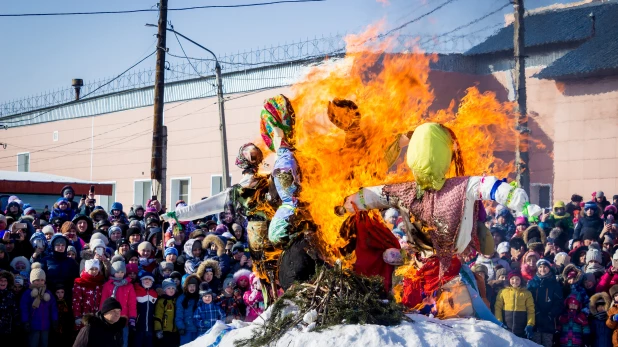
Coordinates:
x,y
154,10
83,97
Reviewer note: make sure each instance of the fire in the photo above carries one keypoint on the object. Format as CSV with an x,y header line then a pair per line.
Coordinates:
x,y
394,96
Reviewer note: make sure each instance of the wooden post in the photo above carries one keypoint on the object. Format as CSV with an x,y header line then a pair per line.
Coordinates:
x,y
521,150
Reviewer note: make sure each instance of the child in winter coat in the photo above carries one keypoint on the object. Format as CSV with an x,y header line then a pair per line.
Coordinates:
x,y
573,324
147,261
231,304
209,272
161,273
612,315
39,313
9,309
87,291
62,210
208,312
164,316
610,277
186,305
146,299
116,214
193,256
63,335
547,294
241,278
515,307
254,299
528,267
599,305
122,290
573,285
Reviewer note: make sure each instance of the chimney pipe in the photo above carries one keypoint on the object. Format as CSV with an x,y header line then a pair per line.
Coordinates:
x,y
78,83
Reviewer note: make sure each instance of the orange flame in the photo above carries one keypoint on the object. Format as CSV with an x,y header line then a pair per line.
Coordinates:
x,y
393,95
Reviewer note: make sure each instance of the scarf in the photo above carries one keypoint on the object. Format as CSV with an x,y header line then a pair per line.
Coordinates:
x,y
87,280
145,261
244,163
38,293
277,113
117,283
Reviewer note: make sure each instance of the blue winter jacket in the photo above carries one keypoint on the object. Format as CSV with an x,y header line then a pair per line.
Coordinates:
x,y
41,318
60,268
184,316
207,315
548,302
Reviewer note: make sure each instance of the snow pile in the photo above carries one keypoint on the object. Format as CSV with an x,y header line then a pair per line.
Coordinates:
x,y
424,331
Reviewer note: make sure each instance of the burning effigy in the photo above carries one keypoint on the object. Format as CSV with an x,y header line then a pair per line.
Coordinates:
x,y
358,136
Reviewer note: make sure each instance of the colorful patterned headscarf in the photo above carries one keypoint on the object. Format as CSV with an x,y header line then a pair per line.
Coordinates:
x,y
244,163
277,113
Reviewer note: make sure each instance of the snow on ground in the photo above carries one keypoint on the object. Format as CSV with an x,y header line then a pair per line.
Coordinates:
x,y
424,331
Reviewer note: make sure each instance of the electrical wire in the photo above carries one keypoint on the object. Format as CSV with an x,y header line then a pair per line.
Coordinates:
x,y
83,97
154,10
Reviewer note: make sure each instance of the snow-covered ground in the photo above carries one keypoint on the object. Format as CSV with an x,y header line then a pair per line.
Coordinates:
x,y
424,331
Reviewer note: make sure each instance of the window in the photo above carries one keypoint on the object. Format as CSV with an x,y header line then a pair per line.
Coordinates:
x,y
141,192
216,184
181,190
23,162
106,201
541,194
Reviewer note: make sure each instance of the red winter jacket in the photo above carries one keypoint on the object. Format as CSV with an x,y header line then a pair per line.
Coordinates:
x,y
87,295
125,294
609,278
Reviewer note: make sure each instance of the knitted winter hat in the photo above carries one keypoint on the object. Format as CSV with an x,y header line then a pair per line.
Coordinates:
x,y
593,255
613,291
205,289
99,236
146,275
562,259
176,275
543,262
500,272
71,249
132,268
118,266
228,282
521,221
169,251
48,229
572,274
94,244
589,276
110,304
36,273
90,263
167,283
144,245
166,265
514,274
503,247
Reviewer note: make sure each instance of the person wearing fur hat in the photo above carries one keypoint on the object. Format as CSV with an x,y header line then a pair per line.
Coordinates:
x,y
192,256
122,290
515,307
38,309
143,335
58,266
208,312
9,309
214,247
600,304
578,256
87,291
590,219
573,285
573,324
610,277
103,329
186,305
209,272
547,294
164,316
528,267
612,315
241,278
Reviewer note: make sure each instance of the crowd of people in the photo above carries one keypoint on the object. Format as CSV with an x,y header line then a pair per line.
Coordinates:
x,y
79,275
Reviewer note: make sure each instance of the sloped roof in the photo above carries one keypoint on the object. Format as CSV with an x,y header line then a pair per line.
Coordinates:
x,y
597,54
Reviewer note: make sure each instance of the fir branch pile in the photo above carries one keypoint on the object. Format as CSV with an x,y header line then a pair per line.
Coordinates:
x,y
334,296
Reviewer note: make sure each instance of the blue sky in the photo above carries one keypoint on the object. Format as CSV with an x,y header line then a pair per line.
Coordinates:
x,y
45,53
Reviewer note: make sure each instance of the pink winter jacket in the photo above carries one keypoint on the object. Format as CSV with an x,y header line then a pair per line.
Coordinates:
x,y
609,278
253,299
125,295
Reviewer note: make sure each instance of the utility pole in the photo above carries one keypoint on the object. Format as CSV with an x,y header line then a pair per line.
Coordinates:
x,y
157,173
521,150
226,169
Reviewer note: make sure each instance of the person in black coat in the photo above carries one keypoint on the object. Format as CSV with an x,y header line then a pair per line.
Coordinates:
x,y
103,328
590,219
548,299
61,269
